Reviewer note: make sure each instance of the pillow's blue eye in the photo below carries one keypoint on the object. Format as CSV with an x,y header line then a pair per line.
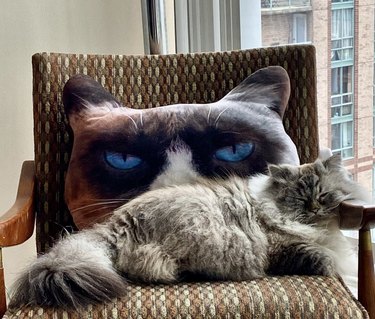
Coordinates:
x,y
235,152
122,161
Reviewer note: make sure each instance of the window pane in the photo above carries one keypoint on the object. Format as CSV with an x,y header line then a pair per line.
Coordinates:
x,y
335,111
299,28
336,24
347,153
347,23
335,81
347,134
336,100
347,43
336,44
347,54
346,110
342,139
347,98
342,30
347,79
335,135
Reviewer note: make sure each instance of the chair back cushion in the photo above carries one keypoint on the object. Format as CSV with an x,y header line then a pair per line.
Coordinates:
x,y
146,82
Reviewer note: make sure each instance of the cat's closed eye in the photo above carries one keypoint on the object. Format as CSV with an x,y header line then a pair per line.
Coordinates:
x,y
325,197
330,198
293,200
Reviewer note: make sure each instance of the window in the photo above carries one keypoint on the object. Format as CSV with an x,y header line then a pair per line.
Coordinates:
x,y
217,25
342,28
299,28
373,94
342,138
373,106
342,91
342,54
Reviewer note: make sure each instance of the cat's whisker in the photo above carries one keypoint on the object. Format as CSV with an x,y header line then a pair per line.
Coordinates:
x,y
109,106
113,203
141,118
102,217
103,212
124,111
109,199
85,103
134,122
218,117
209,114
96,210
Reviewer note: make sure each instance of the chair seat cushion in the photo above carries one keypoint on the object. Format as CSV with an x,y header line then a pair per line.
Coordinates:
x,y
270,297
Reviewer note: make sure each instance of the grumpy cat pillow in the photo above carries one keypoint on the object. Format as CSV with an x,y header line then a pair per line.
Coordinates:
x,y
119,152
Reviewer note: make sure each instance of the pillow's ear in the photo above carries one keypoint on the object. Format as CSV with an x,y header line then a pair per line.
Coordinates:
x,y
82,93
269,86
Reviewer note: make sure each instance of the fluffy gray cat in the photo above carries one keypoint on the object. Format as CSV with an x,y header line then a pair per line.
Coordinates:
x,y
235,229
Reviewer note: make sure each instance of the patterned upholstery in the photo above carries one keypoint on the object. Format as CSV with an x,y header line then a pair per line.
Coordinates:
x,y
272,297
150,81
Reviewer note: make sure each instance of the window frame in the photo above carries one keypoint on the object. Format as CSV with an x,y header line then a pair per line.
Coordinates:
x,y
346,152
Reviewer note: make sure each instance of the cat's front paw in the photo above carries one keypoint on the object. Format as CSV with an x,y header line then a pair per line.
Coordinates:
x,y
320,265
302,259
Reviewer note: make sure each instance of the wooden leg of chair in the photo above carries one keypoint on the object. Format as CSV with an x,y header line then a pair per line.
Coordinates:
x,y
366,278
3,302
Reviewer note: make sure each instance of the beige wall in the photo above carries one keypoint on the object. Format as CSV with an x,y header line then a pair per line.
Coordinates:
x,y
26,27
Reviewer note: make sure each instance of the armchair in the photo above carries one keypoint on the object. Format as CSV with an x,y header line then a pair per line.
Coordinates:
x,y
151,81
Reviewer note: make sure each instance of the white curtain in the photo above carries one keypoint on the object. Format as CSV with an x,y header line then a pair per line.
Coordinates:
x,y
347,33
342,28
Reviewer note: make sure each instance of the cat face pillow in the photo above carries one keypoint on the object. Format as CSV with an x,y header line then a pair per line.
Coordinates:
x,y
119,153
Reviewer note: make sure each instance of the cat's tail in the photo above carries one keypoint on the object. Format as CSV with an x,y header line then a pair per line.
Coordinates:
x,y
76,272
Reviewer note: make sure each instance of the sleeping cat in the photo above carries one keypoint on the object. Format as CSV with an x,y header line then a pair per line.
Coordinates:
x,y
222,229
119,152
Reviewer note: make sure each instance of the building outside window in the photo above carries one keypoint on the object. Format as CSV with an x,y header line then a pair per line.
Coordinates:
x,y
343,34
342,57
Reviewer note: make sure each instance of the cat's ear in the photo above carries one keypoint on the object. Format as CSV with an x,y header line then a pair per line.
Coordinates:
x,y
82,94
282,173
269,86
333,163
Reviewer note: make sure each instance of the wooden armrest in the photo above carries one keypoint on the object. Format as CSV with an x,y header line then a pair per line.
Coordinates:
x,y
17,224
357,215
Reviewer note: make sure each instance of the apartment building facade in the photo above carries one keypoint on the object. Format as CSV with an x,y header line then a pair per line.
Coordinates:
x,y
343,34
